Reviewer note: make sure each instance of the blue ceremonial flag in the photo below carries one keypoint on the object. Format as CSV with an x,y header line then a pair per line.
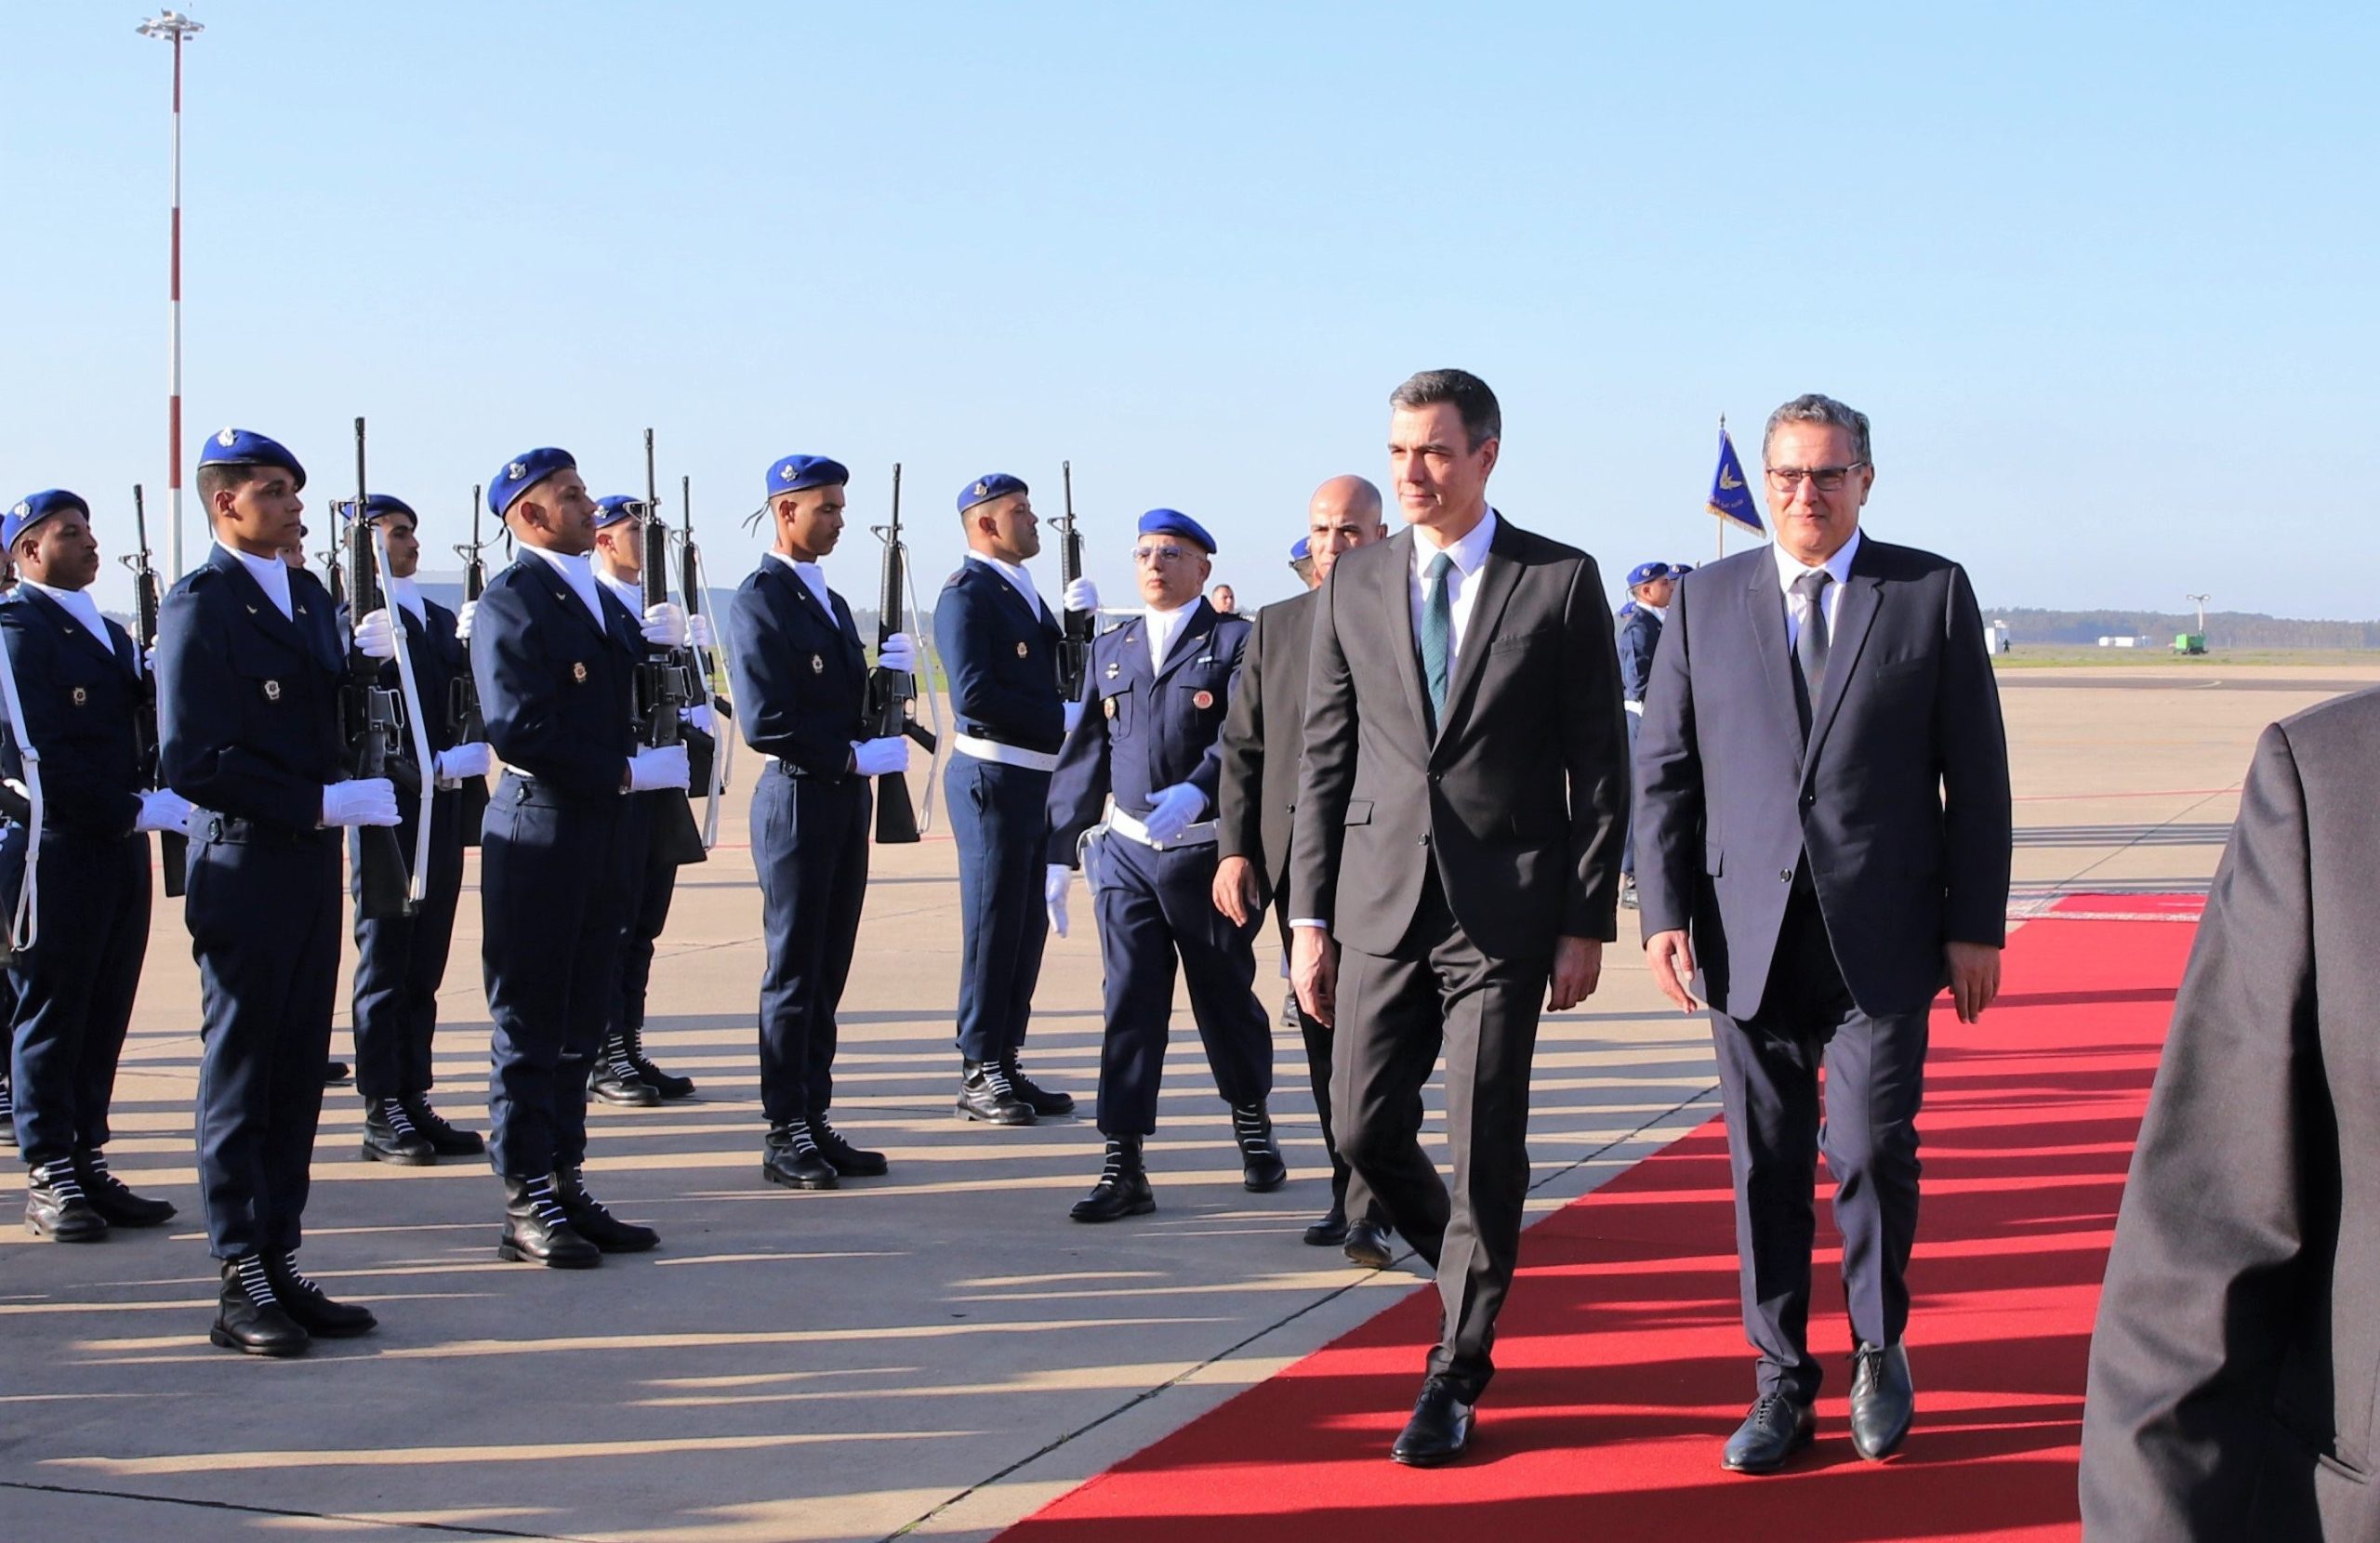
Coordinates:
x,y
1730,499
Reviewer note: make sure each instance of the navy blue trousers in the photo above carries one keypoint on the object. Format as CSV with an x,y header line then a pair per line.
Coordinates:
x,y
651,885
999,817
1768,1082
75,987
810,843
551,887
400,962
264,910
1157,908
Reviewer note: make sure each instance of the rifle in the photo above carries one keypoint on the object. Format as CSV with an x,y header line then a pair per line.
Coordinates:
x,y
173,847
690,584
368,719
664,685
463,698
1073,650
892,691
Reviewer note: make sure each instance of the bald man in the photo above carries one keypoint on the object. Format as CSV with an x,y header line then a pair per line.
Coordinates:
x,y
1262,740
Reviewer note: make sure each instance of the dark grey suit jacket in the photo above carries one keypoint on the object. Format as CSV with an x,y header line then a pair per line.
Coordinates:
x,y
2236,1369
1264,738
1520,800
1900,797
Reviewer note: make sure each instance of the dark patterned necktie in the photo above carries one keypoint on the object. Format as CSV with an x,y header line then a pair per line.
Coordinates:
x,y
1810,647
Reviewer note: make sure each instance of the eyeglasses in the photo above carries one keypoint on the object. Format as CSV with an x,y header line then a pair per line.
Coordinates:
x,y
1159,556
1826,478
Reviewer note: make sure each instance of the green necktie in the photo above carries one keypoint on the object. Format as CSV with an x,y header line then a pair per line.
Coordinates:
x,y
1438,635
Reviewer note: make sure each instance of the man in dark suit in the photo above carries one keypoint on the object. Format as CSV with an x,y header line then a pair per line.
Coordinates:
x,y
1650,587
1458,835
1822,801
2232,1374
1263,742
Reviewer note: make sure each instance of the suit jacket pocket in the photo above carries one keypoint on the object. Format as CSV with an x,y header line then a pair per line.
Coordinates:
x,y
1360,812
1713,861
1505,643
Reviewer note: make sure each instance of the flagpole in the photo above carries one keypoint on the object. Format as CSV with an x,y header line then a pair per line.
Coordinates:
x,y
1723,519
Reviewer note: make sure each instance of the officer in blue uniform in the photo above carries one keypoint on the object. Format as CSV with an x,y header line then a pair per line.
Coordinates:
x,y
250,660
400,961
1649,587
555,657
79,681
800,673
1150,736
999,646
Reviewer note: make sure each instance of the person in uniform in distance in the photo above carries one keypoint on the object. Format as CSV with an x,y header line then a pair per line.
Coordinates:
x,y
1225,602
1822,793
400,961
800,673
999,648
1150,734
1302,563
554,654
1263,740
1650,587
623,1074
7,992
250,659
79,679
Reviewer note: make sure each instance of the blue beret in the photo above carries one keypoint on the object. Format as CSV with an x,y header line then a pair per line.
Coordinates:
x,y
1646,573
794,473
618,507
522,472
379,504
1175,523
1679,570
1300,550
983,490
242,448
27,512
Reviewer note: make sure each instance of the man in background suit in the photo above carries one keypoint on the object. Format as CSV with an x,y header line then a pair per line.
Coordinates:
x,y
1460,815
1263,740
2231,1391
1822,801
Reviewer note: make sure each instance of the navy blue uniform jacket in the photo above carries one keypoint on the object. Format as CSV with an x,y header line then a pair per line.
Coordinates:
x,y
1002,655
1640,633
558,691
81,696
800,673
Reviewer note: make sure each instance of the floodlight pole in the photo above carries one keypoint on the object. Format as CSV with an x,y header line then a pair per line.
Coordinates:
x,y
174,27
2201,601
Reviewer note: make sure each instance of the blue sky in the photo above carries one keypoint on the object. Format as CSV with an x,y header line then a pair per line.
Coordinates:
x,y
2102,275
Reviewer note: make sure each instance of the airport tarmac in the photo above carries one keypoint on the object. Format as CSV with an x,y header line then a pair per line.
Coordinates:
x,y
931,1355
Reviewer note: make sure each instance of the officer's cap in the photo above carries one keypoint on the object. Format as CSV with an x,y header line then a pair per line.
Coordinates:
x,y
1175,523
983,490
29,511
245,447
522,472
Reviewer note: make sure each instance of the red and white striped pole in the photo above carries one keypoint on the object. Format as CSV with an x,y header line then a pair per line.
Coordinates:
x,y
174,26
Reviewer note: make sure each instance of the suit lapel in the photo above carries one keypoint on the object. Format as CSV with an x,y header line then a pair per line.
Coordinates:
x,y
1862,595
1393,590
558,588
262,612
1765,602
64,621
1189,638
1497,578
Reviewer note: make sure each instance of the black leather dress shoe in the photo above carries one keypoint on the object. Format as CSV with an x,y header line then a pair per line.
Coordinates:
x,y
114,1199
536,1230
445,1139
1260,1168
613,1077
1882,1400
1776,1429
388,1137
1046,1102
591,1222
1123,1187
56,1207
850,1161
1439,1429
652,1076
309,1308
1332,1231
334,1071
249,1318
1368,1244
793,1159
985,1093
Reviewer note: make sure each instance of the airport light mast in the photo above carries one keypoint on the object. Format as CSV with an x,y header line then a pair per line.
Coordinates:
x,y
174,27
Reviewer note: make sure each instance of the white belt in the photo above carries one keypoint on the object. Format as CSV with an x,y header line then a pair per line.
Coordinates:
x,y
1637,708
1200,834
1005,755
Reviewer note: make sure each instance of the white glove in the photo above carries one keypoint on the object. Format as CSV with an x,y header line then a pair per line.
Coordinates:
x,y
194,824
360,802
471,758
1176,807
698,633
652,770
376,636
1080,596
665,624
1054,885
1073,714
899,651
875,758
699,715
149,661
463,621
164,809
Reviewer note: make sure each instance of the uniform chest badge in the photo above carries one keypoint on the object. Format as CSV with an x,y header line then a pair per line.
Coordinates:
x,y
79,695
272,691
1202,700
578,671
817,664
1023,648
1115,670
1109,705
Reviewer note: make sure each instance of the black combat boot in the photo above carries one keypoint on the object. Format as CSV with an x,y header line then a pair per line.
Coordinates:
x,y
792,1158
1261,1167
850,1161
7,1112
114,1199
591,1222
445,1139
390,1135
56,1207
614,1079
249,1317
984,1093
651,1076
308,1307
1123,1187
1047,1103
538,1230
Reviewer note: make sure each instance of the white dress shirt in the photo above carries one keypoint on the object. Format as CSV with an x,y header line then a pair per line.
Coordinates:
x,y
812,577
1462,589
407,592
271,574
1788,569
1659,612
579,573
629,592
78,604
1164,626
1017,577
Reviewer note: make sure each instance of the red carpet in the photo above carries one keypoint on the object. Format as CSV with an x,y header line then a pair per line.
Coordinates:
x,y
1621,1361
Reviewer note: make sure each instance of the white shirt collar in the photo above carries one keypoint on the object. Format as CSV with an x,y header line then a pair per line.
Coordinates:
x,y
407,593
579,572
272,575
1789,568
1015,575
812,577
1468,553
1659,612
1164,626
78,604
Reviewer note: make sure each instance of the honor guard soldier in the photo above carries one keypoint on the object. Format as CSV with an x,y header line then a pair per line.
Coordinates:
x,y
79,681
400,960
1150,735
800,675
1649,587
622,1073
555,656
999,646
249,664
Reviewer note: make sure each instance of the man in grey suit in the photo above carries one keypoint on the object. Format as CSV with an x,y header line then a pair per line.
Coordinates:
x,y
1822,828
2234,1373
1264,738
1460,814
